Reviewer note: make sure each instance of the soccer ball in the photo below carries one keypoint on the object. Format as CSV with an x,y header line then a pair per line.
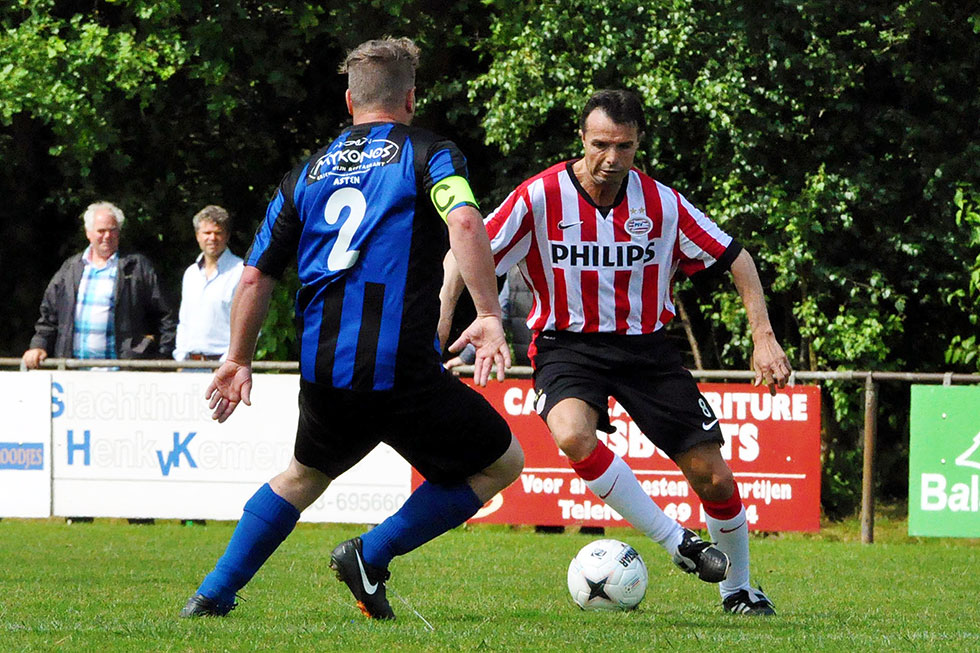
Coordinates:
x,y
607,575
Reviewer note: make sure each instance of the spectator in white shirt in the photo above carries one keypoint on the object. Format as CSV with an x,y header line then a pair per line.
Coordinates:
x,y
204,327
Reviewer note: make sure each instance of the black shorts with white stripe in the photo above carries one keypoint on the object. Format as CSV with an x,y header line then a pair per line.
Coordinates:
x,y
642,372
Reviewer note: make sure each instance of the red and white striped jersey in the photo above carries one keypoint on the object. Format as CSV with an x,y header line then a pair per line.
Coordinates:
x,y
591,272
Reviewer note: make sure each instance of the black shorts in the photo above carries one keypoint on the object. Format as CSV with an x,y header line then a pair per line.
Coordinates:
x,y
443,428
644,374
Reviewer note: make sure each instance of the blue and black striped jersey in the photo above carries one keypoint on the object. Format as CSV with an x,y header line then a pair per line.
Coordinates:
x,y
369,246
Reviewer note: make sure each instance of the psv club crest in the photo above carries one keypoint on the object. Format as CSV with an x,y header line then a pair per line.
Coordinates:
x,y
638,225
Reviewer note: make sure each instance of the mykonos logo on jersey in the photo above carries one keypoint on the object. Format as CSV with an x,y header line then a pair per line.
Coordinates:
x,y
353,156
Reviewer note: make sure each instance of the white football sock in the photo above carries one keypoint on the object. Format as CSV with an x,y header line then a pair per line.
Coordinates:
x,y
732,538
618,487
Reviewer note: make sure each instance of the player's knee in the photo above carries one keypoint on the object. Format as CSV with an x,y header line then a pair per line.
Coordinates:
x,y
500,474
511,463
714,486
301,479
575,444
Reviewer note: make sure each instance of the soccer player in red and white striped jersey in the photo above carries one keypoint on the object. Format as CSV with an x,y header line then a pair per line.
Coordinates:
x,y
599,244
602,269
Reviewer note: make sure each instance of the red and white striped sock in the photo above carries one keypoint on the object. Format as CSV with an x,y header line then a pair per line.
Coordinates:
x,y
728,528
612,480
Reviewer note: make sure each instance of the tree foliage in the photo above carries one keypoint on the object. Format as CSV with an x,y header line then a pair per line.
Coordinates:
x,y
164,107
965,349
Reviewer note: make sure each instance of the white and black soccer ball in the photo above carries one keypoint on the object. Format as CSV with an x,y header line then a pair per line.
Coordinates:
x,y
607,575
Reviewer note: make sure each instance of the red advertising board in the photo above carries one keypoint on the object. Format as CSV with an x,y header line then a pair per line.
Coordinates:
x,y
772,444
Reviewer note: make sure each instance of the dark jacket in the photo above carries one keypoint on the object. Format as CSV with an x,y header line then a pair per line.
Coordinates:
x,y
144,322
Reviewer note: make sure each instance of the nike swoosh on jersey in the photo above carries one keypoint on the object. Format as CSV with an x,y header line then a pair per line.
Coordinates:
x,y
732,530
708,425
562,225
369,587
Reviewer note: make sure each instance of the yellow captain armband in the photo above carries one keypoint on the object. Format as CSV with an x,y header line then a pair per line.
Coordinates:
x,y
450,193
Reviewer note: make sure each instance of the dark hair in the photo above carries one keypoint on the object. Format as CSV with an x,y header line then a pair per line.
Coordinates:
x,y
623,107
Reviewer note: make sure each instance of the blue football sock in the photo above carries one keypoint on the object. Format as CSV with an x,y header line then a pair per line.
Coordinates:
x,y
265,523
429,512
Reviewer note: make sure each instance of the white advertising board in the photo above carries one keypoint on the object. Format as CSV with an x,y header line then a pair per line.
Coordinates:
x,y
25,444
143,445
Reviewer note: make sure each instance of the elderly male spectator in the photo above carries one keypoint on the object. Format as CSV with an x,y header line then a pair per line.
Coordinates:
x,y
204,326
103,305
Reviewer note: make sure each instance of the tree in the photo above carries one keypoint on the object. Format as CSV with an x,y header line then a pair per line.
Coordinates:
x,y
965,349
163,107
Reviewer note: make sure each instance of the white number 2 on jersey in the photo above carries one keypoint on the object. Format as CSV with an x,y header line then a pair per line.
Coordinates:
x,y
341,257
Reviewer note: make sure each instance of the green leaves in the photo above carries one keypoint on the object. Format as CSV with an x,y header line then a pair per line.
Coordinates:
x,y
63,71
964,349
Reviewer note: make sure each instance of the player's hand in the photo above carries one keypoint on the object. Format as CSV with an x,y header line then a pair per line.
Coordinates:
x,y
232,383
770,363
32,358
486,333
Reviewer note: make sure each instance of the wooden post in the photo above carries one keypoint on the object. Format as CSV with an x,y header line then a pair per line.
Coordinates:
x,y
868,477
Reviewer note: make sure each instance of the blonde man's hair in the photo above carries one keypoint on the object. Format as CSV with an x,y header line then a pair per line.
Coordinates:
x,y
381,71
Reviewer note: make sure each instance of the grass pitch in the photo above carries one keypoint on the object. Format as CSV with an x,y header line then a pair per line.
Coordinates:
x,y
113,586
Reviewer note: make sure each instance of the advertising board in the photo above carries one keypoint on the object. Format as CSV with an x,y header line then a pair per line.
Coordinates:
x,y
25,442
772,444
143,445
944,461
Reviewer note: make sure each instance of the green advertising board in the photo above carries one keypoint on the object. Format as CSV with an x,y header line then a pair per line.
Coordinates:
x,y
944,461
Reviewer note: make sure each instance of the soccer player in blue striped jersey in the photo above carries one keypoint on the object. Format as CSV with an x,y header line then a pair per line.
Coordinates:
x,y
366,218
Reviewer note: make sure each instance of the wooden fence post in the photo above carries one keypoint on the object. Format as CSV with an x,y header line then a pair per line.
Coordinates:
x,y
868,477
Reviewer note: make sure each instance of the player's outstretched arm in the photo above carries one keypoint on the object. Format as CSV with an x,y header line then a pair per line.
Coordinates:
x,y
471,249
452,288
768,358
232,382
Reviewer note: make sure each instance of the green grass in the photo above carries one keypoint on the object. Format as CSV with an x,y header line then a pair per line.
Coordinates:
x,y
112,586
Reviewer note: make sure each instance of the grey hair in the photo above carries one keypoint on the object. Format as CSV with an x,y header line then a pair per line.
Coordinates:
x,y
380,71
89,215
212,213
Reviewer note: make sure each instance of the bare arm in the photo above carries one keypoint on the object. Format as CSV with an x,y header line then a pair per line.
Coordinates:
x,y
471,250
768,359
452,288
232,381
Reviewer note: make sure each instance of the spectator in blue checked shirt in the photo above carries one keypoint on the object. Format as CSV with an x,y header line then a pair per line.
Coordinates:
x,y
101,305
